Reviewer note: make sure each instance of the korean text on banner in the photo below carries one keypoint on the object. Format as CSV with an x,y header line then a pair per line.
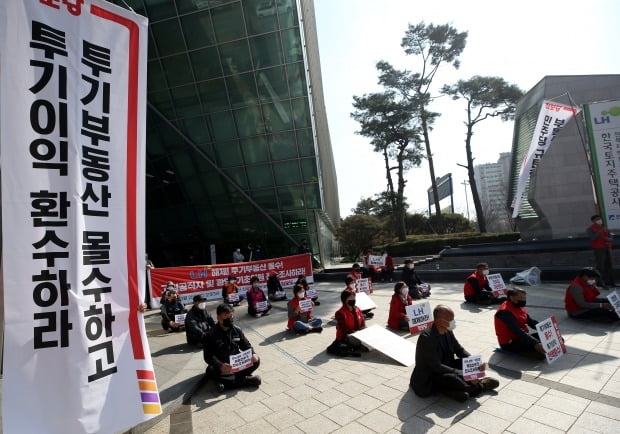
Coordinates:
x,y
551,339
603,126
551,118
305,305
496,282
241,361
363,285
72,137
471,368
420,316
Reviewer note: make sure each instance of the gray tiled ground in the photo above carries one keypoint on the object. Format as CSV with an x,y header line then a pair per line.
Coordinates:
x,y
306,391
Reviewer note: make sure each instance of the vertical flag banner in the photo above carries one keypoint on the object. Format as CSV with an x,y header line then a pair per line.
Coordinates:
x,y
552,117
603,125
72,139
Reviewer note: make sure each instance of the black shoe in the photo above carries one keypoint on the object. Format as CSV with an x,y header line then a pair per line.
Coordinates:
x,y
317,303
354,354
301,332
369,315
252,381
220,387
488,383
458,395
265,313
316,330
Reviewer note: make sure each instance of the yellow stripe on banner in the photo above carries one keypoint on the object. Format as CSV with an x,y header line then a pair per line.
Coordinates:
x,y
151,408
148,385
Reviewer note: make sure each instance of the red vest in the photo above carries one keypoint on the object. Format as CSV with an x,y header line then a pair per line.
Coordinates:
x,y
295,303
349,321
600,242
397,310
589,294
482,282
504,334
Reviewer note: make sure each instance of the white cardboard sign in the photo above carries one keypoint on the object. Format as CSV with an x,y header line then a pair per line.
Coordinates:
x,y
261,306
233,297
388,343
496,282
364,302
551,339
614,300
376,260
305,305
311,293
471,368
420,316
363,285
241,361
180,318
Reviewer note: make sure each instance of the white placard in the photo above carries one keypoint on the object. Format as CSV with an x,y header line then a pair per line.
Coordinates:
x,y
305,305
388,343
496,282
377,261
364,302
420,316
363,285
232,297
280,294
551,339
180,318
614,300
261,306
241,361
471,368
311,293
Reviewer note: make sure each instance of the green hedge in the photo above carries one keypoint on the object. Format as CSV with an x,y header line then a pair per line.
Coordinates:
x,y
417,245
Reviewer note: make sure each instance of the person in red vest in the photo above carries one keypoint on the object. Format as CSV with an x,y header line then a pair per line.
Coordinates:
x,y
600,241
582,298
511,325
477,289
349,319
356,272
398,319
298,321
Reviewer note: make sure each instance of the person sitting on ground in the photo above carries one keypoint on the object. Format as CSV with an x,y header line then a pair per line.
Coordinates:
x,y
224,340
198,322
164,295
417,288
511,325
298,321
350,285
301,280
477,289
582,298
171,307
356,272
274,288
349,319
230,287
398,319
438,362
256,295
369,269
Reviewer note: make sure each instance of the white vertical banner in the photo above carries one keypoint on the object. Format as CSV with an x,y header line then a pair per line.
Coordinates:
x,y
552,117
72,138
603,125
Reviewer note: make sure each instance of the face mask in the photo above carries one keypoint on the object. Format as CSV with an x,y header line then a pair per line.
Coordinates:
x,y
598,222
228,322
404,291
301,294
485,272
231,281
255,285
520,303
410,266
202,306
351,303
591,282
452,325
352,285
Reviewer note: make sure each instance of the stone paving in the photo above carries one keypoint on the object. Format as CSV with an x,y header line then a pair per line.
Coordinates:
x,y
305,390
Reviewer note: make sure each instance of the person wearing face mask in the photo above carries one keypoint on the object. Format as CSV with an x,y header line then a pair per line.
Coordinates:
x,y
600,241
349,319
169,309
477,289
511,325
198,322
274,288
413,281
356,272
223,340
256,295
582,298
398,319
350,285
301,280
298,321
230,287
438,362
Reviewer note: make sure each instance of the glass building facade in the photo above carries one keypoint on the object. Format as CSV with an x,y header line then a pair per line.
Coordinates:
x,y
238,148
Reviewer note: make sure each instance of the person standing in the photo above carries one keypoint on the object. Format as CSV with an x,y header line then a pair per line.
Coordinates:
x,y
511,325
237,256
600,241
303,247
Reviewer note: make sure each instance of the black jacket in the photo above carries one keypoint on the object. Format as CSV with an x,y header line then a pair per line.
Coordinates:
x,y
411,278
198,322
220,344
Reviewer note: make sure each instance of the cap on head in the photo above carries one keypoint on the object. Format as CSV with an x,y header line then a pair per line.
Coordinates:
x,y
198,298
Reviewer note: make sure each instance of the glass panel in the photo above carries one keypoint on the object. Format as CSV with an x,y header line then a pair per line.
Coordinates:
x,y
308,170
272,84
161,101
286,172
292,45
238,175
228,153
206,63
305,142
242,90
257,18
158,10
168,37
277,116
313,199
301,112
291,197
177,70
266,199
236,57
222,126
287,13
249,121
184,6
260,176
198,30
155,76
195,129
194,189
228,22
282,146
266,50
183,166
296,79
213,95
255,150
295,222
186,101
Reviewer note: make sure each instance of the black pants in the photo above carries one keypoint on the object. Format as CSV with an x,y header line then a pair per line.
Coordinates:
x,y
450,381
484,297
598,313
230,380
602,262
520,345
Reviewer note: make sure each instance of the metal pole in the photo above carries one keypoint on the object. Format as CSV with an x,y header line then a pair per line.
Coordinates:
x,y
465,184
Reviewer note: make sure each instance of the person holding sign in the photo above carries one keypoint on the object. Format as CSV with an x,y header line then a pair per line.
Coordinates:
x,y
171,307
351,285
310,293
356,272
511,325
258,305
398,319
300,318
417,288
198,322
439,364
477,289
222,349
600,241
582,298
230,291
349,319
274,288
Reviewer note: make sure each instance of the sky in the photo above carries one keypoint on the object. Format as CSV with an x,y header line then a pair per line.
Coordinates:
x,y
519,41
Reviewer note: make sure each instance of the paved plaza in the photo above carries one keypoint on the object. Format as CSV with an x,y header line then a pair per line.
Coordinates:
x,y
305,390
